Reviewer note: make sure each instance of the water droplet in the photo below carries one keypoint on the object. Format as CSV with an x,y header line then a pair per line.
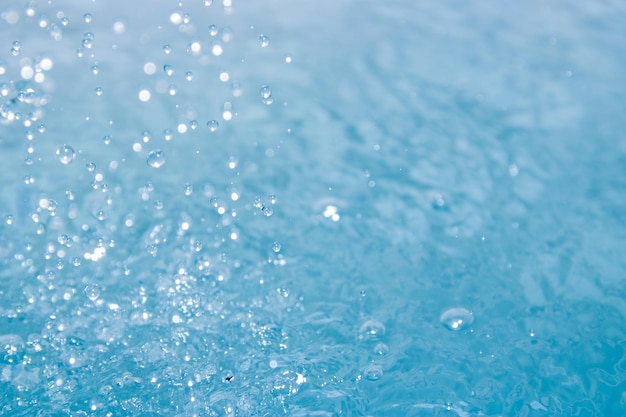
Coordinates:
x,y
156,159
372,329
100,215
456,319
373,372
167,49
213,125
88,40
265,92
95,69
213,30
107,139
65,154
264,41
189,75
267,211
92,291
87,17
91,167
16,47
168,69
276,247
98,91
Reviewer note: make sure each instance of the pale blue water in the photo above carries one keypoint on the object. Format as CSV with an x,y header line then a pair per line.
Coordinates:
x,y
319,208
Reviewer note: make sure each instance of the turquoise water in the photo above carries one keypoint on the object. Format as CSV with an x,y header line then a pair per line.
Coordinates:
x,y
308,208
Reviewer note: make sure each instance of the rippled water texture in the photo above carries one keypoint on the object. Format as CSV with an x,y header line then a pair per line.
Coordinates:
x,y
312,208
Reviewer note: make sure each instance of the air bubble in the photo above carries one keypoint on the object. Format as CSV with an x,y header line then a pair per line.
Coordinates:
x,y
188,189
65,154
276,247
264,41
213,125
456,319
167,49
168,69
156,159
267,211
87,18
213,30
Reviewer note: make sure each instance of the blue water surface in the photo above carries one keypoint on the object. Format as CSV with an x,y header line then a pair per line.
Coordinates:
x,y
312,208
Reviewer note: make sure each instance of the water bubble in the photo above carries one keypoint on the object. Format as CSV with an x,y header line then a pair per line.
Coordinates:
x,y
156,159
381,349
98,91
189,75
65,154
106,139
213,30
92,291
65,21
193,125
456,319
168,69
264,41
87,17
188,189
371,329
95,69
373,372
207,3
167,49
213,125
276,247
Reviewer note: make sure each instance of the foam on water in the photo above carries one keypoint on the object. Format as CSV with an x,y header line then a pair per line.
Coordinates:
x,y
396,209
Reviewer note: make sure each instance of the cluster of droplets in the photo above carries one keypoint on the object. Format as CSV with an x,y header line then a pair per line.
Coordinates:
x,y
265,205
